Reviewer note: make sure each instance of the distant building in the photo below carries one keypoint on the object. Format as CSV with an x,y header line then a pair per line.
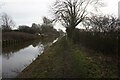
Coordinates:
x,y
119,9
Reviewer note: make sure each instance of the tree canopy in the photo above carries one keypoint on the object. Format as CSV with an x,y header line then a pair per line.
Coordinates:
x,y
72,12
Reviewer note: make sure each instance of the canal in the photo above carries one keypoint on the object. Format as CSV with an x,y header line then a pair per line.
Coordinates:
x,y
15,58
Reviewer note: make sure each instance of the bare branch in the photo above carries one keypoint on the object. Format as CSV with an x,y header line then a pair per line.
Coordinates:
x,y
7,22
72,12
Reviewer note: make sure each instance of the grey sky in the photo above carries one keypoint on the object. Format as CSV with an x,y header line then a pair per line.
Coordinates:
x,y
31,11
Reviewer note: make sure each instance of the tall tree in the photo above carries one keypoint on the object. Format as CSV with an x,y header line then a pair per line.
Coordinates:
x,y
35,28
7,22
72,12
47,25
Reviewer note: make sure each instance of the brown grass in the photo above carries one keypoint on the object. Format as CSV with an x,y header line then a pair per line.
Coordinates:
x,y
17,36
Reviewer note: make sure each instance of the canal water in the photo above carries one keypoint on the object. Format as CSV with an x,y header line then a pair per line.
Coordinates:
x,y
17,57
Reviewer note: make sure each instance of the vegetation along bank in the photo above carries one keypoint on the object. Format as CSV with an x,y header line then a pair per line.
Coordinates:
x,y
64,59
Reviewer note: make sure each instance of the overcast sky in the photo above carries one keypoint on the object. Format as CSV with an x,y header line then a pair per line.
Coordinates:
x,y
26,12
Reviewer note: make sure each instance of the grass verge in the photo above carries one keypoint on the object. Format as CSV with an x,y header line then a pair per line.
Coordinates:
x,y
67,60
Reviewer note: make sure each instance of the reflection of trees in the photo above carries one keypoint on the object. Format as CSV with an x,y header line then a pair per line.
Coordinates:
x,y
41,43
9,51
35,43
47,40
41,47
15,48
7,56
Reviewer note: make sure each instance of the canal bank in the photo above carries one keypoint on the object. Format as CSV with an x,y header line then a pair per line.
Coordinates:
x,y
66,60
17,57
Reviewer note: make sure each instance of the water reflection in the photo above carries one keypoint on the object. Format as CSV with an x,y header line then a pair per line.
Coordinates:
x,y
15,58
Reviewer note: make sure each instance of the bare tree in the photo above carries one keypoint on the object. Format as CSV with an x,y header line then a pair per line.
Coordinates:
x,y
6,22
103,23
72,12
48,22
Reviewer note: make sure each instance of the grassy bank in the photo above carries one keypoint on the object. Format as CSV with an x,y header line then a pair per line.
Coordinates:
x,y
67,60
17,36
13,38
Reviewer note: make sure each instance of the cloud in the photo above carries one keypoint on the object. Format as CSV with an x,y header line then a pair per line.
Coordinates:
x,y
27,11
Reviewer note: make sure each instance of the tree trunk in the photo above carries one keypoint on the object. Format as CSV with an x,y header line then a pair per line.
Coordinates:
x,y
70,32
